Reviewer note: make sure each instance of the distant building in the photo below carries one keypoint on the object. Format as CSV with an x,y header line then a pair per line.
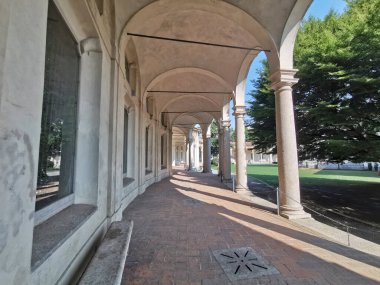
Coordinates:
x,y
252,155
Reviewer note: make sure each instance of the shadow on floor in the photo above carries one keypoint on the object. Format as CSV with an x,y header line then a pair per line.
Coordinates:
x,y
173,242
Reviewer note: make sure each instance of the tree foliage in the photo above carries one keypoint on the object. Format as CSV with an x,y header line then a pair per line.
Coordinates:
x,y
261,130
338,96
214,138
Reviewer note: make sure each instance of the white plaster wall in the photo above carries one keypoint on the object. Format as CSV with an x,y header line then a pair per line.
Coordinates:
x,y
22,57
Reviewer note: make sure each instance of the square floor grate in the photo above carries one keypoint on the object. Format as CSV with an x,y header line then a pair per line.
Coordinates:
x,y
243,263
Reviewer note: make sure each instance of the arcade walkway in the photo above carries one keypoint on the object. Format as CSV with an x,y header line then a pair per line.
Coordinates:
x,y
180,222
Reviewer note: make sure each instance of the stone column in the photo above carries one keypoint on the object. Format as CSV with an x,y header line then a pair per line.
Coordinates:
x,y
209,152
290,206
241,164
206,151
187,152
170,152
226,151
190,144
196,151
221,158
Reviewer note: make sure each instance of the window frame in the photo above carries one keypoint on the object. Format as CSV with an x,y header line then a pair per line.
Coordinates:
x,y
61,203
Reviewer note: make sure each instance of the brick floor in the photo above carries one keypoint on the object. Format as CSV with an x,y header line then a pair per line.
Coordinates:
x,y
174,236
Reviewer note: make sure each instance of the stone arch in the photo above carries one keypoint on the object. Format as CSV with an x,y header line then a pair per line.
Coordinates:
x,y
221,8
189,96
180,70
77,18
195,115
289,34
242,79
130,57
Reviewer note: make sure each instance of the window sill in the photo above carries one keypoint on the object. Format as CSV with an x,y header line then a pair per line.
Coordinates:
x,y
127,181
52,233
47,212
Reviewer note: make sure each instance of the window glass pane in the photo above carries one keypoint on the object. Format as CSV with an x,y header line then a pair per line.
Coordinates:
x,y
59,112
125,148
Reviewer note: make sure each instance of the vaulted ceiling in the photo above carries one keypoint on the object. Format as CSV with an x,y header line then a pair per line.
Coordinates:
x,y
192,82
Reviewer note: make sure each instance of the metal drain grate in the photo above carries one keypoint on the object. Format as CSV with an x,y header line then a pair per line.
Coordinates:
x,y
243,263
192,202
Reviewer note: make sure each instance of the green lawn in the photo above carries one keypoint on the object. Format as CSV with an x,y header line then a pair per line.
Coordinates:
x,y
314,177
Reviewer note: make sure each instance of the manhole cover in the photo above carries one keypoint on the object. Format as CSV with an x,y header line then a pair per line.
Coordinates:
x,y
243,263
192,202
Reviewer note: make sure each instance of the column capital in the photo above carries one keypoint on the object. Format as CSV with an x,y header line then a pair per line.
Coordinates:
x,y
226,123
90,45
283,78
239,111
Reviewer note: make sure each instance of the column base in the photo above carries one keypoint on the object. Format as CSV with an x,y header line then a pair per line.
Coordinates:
x,y
242,190
291,213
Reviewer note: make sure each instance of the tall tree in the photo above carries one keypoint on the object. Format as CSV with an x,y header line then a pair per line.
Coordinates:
x,y
338,96
214,138
338,92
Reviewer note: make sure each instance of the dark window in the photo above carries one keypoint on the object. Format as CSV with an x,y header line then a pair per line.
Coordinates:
x,y
125,145
59,112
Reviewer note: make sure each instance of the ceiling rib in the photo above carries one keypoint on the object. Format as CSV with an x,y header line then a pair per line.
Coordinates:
x,y
195,42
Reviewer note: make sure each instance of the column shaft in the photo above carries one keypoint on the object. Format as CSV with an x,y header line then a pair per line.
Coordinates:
x,y
190,139
226,151
209,154
206,153
221,159
290,200
170,152
241,164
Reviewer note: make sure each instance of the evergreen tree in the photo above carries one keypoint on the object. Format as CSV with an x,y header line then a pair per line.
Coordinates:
x,y
261,110
337,99
214,138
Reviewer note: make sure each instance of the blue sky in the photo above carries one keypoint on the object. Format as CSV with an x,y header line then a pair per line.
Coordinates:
x,y
318,9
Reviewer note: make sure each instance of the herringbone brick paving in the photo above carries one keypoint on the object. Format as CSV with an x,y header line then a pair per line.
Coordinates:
x,y
173,239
